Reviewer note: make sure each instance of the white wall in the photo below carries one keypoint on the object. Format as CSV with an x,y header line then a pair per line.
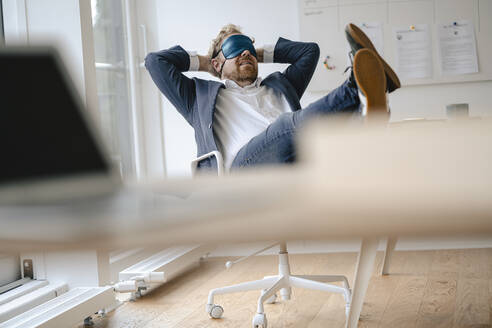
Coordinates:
x,y
193,23
84,268
429,101
9,268
353,245
64,24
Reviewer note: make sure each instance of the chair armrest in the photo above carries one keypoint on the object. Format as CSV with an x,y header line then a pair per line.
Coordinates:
x,y
218,156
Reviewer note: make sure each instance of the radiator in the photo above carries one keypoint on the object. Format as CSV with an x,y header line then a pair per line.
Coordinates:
x,y
163,266
66,310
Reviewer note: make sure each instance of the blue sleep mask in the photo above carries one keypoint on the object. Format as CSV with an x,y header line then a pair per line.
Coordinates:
x,y
234,45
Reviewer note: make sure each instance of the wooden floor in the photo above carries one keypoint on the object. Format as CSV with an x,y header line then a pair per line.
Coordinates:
x,y
448,288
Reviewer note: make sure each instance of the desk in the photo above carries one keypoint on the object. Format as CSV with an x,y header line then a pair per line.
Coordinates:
x,y
365,182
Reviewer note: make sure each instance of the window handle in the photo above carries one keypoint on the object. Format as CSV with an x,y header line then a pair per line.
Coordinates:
x,y
143,33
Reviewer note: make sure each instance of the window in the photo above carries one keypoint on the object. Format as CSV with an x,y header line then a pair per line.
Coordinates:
x,y
113,81
129,102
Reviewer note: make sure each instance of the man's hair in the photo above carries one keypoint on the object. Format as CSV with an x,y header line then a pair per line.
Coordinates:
x,y
224,32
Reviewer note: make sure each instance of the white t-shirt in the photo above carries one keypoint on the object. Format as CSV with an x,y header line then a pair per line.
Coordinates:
x,y
242,113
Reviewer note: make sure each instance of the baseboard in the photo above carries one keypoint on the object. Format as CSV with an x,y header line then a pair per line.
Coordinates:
x,y
352,245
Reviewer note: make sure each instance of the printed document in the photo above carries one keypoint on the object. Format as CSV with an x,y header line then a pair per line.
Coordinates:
x,y
457,48
413,52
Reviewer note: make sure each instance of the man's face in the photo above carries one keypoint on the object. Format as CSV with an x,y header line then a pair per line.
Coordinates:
x,y
241,69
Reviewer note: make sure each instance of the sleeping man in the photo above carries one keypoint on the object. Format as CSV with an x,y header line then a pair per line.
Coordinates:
x,y
253,121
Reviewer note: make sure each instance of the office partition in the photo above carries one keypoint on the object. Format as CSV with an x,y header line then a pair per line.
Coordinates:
x,y
427,42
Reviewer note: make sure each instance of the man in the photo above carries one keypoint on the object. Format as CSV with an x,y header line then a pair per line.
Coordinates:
x,y
253,121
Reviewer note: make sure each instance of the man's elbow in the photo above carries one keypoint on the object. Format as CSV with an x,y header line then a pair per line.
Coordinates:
x,y
150,60
315,49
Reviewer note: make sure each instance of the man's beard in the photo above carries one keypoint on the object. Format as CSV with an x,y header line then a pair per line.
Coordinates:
x,y
247,73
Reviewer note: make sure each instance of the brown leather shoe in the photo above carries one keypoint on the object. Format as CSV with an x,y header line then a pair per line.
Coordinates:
x,y
359,40
371,80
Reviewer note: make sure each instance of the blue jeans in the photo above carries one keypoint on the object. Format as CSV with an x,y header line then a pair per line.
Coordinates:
x,y
276,145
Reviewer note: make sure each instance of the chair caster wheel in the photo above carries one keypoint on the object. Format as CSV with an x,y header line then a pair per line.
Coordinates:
x,y
215,311
271,299
88,322
260,321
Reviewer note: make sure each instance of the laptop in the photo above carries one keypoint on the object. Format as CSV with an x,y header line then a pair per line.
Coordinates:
x,y
50,148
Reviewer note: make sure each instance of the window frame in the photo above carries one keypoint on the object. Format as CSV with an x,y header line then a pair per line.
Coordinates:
x,y
2,31
127,157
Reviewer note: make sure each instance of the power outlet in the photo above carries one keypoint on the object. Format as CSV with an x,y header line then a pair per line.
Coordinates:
x,y
28,268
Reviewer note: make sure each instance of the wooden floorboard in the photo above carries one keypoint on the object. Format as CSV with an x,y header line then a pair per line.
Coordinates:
x,y
438,303
445,288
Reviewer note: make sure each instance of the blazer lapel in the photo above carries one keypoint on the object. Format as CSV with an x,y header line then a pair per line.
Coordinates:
x,y
278,82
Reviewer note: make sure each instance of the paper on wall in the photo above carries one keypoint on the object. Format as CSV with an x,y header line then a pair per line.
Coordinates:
x,y
457,48
413,52
318,3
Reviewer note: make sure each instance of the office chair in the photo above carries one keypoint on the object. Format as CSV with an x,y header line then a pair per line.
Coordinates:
x,y
270,285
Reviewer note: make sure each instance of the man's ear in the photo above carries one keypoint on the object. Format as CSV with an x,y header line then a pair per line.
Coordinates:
x,y
216,64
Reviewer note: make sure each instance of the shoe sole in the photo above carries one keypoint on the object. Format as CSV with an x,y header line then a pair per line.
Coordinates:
x,y
371,81
361,39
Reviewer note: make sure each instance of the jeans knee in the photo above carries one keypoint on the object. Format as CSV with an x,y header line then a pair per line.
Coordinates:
x,y
286,122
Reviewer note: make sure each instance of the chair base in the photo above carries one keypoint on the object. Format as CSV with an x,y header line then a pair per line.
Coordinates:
x,y
283,283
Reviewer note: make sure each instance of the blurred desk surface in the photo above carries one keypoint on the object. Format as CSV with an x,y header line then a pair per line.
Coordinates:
x,y
355,181
368,182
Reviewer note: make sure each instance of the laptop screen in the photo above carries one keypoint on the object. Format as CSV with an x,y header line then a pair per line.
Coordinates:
x,y
42,132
